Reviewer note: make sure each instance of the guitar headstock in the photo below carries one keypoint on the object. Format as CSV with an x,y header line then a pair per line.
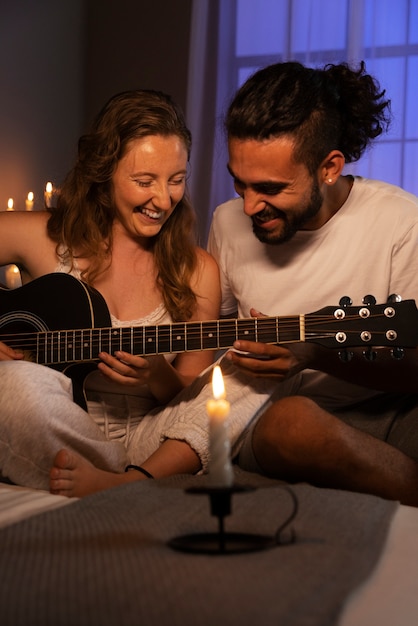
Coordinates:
x,y
393,324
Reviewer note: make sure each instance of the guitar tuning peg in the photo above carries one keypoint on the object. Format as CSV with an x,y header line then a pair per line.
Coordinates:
x,y
345,301
369,300
345,356
397,353
394,297
370,354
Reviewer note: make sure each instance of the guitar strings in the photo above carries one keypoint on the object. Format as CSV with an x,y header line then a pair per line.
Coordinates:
x,y
180,334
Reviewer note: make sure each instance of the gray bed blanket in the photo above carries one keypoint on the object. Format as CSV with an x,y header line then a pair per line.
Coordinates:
x,y
105,560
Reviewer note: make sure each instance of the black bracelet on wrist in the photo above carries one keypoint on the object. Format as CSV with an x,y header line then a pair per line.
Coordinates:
x,y
138,469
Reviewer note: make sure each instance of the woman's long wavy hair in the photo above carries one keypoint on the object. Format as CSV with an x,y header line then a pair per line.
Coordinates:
x,y
81,222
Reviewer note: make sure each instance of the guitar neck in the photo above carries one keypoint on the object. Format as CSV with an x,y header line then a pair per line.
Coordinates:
x,y
392,325
66,346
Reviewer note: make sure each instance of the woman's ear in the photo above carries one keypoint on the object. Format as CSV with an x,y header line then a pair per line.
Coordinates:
x,y
331,167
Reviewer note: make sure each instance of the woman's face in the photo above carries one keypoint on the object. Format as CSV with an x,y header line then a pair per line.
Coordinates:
x,y
149,182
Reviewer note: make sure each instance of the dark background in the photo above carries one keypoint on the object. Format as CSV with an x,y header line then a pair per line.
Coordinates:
x,y
60,61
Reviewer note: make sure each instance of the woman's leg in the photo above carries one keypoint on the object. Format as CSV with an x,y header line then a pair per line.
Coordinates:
x,y
38,417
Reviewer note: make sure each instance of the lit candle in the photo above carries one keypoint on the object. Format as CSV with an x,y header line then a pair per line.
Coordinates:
x,y
220,466
10,204
48,194
13,279
29,201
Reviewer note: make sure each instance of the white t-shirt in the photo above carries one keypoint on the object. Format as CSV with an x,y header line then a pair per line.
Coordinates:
x,y
370,246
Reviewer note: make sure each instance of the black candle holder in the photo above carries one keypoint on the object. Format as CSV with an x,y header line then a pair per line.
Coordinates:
x,y
221,542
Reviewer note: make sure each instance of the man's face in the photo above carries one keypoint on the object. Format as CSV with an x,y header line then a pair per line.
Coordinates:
x,y
280,196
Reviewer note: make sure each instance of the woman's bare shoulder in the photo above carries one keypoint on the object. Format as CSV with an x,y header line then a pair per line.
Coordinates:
x,y
207,283
206,260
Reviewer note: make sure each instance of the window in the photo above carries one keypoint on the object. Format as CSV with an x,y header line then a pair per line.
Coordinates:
x,y
383,33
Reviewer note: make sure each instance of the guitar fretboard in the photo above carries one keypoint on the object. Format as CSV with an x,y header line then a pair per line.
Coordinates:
x,y
66,346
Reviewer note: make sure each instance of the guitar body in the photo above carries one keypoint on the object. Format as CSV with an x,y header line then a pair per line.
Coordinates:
x,y
53,302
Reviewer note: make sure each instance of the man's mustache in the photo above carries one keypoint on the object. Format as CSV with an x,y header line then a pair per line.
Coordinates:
x,y
269,213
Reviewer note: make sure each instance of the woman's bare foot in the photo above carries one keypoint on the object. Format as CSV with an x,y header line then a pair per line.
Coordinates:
x,y
73,476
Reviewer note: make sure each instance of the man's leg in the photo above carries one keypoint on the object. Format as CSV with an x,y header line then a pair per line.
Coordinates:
x,y
296,440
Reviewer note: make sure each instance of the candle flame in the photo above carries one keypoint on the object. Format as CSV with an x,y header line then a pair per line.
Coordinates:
x,y
48,188
30,196
10,204
218,386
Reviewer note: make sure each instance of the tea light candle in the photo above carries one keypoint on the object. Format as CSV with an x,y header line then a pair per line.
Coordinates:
x,y
29,201
48,194
220,466
13,279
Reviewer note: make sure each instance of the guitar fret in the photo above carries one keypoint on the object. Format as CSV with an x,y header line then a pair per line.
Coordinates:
x,y
126,340
77,346
228,333
51,348
57,348
42,349
210,338
99,342
106,347
37,349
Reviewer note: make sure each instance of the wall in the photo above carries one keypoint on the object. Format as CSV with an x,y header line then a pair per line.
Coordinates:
x,y
41,105
135,44
61,60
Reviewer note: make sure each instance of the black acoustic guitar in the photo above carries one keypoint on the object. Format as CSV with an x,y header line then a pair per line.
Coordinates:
x,y
58,320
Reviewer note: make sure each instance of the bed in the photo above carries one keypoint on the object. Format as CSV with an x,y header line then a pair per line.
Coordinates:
x,y
113,557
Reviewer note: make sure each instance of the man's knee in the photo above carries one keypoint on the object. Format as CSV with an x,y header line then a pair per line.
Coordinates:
x,y
288,417
282,435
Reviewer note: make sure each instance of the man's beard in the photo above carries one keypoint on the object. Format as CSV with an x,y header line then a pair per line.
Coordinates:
x,y
290,224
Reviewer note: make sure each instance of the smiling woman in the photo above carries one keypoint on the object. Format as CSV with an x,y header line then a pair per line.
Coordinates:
x,y
123,225
141,178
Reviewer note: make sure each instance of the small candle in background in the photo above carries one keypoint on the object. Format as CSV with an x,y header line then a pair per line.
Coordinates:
x,y
13,279
48,194
29,201
220,467
10,204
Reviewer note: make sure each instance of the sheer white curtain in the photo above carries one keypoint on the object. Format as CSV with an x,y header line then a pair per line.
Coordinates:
x,y
232,38
211,84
